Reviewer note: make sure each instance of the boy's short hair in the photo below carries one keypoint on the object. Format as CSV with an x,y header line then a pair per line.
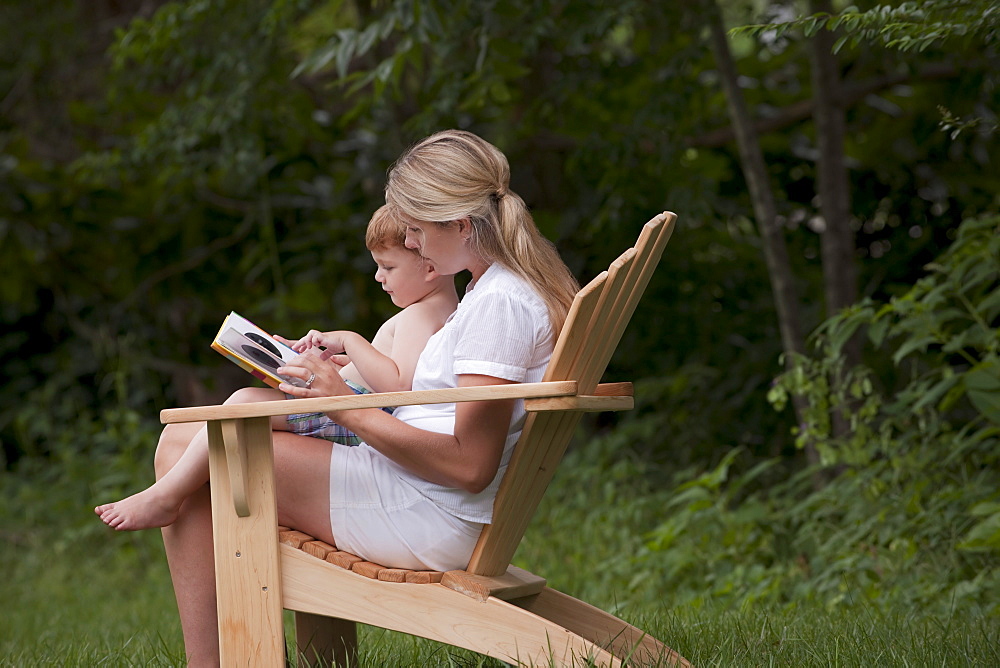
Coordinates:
x,y
385,231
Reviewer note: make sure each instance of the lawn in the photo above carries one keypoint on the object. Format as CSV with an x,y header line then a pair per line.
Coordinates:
x,y
113,606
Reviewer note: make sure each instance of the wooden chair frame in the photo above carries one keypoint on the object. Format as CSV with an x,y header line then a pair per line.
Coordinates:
x,y
492,607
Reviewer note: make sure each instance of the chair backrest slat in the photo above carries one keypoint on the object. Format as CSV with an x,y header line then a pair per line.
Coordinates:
x,y
649,248
593,328
576,332
598,345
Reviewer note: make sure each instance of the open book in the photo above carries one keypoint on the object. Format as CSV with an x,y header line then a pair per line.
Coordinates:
x,y
254,350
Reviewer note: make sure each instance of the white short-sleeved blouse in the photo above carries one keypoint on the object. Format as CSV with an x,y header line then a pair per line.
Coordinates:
x,y
501,329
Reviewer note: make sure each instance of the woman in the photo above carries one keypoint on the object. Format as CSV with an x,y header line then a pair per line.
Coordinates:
x,y
417,491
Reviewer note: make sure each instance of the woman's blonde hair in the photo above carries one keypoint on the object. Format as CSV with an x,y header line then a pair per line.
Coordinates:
x,y
455,174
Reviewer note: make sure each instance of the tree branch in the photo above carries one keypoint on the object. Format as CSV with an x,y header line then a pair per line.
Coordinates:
x,y
803,109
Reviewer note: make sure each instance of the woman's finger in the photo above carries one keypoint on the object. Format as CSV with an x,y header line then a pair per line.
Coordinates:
x,y
315,376
339,360
298,381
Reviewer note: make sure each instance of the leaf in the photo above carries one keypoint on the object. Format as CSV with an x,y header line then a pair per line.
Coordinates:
x,y
877,331
384,69
935,392
839,336
982,382
345,51
914,344
973,337
367,38
985,535
989,307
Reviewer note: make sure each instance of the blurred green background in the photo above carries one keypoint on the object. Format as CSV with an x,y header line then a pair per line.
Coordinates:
x,y
816,363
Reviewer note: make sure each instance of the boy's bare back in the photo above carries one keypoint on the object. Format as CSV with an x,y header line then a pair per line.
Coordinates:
x,y
415,324
403,336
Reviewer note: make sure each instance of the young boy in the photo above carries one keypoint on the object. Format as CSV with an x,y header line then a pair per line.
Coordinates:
x,y
384,365
387,363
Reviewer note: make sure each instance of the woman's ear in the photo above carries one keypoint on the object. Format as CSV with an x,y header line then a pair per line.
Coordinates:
x,y
464,228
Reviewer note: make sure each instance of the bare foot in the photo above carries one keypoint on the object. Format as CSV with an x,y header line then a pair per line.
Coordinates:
x,y
144,510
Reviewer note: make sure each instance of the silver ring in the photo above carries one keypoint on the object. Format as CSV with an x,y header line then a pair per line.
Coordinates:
x,y
312,377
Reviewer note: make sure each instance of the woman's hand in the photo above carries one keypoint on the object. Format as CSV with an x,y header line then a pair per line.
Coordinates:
x,y
319,370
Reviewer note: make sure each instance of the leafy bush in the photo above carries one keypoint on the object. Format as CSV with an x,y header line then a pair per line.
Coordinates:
x,y
48,500
912,514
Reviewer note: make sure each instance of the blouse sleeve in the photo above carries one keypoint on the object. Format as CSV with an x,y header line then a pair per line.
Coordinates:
x,y
499,338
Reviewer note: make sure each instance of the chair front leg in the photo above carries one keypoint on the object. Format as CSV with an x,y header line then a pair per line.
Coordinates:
x,y
247,575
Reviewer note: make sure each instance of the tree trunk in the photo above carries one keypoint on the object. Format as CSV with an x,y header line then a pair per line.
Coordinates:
x,y
762,198
840,275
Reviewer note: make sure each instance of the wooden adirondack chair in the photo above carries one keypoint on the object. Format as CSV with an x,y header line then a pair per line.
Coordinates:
x,y
492,607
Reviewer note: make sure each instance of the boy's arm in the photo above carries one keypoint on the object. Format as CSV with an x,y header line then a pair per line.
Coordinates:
x,y
406,334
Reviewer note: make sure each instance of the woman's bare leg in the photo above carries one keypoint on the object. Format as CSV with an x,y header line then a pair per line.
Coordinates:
x,y
190,557
159,504
302,479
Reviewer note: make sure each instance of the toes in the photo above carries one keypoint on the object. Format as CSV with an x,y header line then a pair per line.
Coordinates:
x,y
109,516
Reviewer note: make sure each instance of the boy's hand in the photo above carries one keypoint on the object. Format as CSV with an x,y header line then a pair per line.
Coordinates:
x,y
287,342
316,339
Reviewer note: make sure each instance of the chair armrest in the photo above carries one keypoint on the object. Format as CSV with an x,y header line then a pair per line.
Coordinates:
x,y
606,397
563,388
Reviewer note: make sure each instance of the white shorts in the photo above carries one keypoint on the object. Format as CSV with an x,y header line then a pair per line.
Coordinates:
x,y
378,517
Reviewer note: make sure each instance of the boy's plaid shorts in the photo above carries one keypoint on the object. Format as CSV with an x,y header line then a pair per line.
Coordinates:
x,y
319,425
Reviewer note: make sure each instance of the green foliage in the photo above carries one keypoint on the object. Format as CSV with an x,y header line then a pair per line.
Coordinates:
x,y
90,458
543,79
909,26
955,126
227,155
89,598
209,92
928,441
946,343
909,519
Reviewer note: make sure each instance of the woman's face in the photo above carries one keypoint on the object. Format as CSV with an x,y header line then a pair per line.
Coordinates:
x,y
444,246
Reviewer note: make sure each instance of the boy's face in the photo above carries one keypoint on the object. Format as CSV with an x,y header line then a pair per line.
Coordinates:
x,y
403,274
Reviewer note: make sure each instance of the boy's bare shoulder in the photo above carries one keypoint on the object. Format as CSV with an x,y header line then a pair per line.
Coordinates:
x,y
433,310
425,312
428,309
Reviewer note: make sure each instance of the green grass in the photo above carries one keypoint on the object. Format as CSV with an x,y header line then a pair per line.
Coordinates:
x,y
73,593
114,607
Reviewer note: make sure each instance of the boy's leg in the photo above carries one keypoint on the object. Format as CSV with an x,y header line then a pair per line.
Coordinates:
x,y
252,395
159,504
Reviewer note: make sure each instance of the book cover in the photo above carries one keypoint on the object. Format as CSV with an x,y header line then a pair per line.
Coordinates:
x,y
254,350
